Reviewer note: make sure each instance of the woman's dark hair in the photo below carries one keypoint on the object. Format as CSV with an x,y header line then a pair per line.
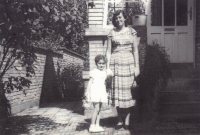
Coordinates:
x,y
100,57
116,13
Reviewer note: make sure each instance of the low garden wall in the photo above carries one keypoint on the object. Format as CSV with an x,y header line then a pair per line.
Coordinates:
x,y
47,84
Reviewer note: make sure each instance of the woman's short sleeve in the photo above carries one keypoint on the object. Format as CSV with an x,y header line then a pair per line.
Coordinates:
x,y
110,35
133,32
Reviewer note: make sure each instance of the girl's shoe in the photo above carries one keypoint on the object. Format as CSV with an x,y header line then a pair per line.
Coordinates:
x,y
92,128
99,128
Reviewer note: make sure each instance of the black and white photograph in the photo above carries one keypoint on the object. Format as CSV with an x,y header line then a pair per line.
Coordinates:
x,y
99,67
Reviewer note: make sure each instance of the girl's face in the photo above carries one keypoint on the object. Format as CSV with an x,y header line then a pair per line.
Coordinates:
x,y
100,64
120,20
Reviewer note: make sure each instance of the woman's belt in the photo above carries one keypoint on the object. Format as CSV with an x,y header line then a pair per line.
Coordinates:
x,y
123,51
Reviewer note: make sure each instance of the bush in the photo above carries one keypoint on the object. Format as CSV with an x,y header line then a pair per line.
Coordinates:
x,y
154,77
73,83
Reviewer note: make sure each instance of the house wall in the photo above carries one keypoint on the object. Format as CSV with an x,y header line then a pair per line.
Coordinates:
x,y
197,34
97,34
43,88
96,14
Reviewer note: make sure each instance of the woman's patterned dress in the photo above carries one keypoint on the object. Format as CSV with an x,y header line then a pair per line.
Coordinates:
x,y
122,65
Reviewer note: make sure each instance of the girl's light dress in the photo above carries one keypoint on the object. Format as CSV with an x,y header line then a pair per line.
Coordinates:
x,y
98,87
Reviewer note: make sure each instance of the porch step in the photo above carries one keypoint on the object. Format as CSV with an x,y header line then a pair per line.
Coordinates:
x,y
189,118
186,74
189,95
181,99
181,107
181,84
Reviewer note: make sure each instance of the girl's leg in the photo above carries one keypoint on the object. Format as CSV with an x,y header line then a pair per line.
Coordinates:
x,y
95,113
98,115
95,119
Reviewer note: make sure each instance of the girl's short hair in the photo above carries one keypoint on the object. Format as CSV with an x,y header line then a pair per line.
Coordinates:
x,y
100,57
116,13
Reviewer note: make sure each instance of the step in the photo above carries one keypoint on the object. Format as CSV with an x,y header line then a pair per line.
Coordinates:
x,y
182,107
190,118
189,95
183,84
182,66
189,73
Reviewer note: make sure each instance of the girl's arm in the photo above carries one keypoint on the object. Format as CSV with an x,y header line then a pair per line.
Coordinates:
x,y
87,92
136,55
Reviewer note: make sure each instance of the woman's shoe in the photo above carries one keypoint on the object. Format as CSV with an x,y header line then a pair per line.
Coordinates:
x,y
118,126
127,127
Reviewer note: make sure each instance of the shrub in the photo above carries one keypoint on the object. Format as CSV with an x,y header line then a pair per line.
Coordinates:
x,y
154,77
73,82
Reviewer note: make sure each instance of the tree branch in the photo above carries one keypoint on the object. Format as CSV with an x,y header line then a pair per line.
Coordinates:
x,y
7,66
5,52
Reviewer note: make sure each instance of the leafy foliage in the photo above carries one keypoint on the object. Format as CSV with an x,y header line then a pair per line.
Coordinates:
x,y
48,23
62,24
72,82
26,24
154,75
16,31
138,8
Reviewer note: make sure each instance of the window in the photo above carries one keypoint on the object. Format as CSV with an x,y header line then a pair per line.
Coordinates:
x,y
174,13
130,6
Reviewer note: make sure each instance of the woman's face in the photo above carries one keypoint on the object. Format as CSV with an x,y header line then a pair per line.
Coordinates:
x,y
120,20
101,64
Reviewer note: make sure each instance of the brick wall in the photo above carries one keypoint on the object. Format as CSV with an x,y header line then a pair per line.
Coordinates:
x,y
50,87
197,33
43,88
71,57
50,90
20,101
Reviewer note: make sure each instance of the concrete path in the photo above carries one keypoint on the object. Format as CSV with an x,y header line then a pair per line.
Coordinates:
x,y
69,119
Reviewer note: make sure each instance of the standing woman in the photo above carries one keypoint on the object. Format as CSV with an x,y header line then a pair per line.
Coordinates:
x,y
123,61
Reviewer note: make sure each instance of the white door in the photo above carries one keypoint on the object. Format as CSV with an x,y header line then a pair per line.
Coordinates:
x,y
170,23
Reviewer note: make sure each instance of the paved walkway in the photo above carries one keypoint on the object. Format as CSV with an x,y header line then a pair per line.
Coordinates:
x,y
69,119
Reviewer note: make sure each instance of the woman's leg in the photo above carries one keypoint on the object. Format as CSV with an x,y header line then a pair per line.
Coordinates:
x,y
119,115
127,120
127,114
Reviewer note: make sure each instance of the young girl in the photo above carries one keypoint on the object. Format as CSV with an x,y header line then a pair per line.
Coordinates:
x,y
96,92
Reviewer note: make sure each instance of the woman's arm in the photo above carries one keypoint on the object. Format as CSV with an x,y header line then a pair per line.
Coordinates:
x,y
108,53
136,55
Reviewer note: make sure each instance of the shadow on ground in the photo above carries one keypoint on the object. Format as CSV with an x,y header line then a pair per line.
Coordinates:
x,y
26,124
75,107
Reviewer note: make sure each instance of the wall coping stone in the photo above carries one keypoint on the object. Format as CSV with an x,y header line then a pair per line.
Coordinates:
x,y
71,52
44,50
92,32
